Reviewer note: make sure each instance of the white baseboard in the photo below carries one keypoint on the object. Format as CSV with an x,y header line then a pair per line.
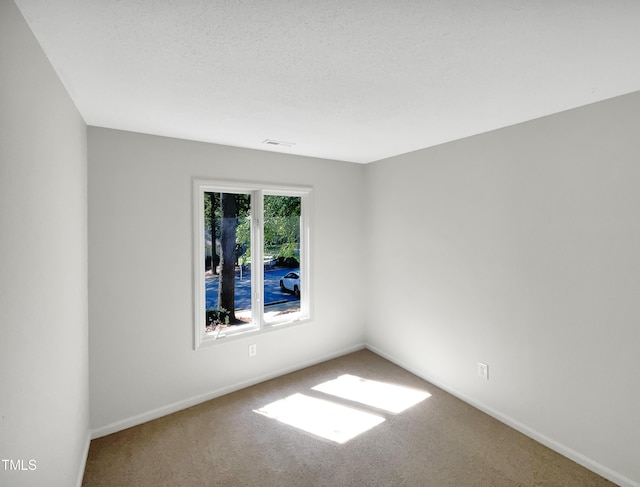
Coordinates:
x,y
563,450
83,461
192,401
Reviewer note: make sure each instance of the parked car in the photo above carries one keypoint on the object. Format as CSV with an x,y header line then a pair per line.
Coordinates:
x,y
290,283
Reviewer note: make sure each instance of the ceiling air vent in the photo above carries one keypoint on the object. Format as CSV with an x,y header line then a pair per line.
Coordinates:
x,y
279,143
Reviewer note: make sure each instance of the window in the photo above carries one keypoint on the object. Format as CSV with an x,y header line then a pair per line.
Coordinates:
x,y
251,260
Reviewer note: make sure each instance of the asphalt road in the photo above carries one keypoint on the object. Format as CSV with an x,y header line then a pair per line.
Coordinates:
x,y
272,292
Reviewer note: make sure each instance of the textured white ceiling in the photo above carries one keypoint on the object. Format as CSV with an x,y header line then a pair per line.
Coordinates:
x,y
351,80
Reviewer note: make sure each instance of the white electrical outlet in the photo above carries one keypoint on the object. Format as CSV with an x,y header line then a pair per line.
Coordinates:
x,y
483,370
253,350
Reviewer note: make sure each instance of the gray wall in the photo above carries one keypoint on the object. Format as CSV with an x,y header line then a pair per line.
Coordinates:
x,y
141,288
44,392
520,248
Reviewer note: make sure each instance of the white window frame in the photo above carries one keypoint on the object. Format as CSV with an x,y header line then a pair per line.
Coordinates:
x,y
258,325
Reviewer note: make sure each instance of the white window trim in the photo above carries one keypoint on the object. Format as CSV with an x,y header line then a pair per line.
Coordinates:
x,y
202,186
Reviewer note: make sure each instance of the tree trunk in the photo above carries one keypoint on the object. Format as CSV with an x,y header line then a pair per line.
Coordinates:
x,y
214,264
226,289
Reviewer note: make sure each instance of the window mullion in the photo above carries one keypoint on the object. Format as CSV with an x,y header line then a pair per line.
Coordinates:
x,y
257,261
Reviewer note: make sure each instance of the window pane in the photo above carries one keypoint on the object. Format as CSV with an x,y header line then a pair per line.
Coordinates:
x,y
281,256
227,259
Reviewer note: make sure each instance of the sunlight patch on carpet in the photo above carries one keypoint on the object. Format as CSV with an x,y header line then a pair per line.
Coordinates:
x,y
388,397
321,418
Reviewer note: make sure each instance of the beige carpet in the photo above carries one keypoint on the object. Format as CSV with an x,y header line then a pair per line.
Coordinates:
x,y
439,441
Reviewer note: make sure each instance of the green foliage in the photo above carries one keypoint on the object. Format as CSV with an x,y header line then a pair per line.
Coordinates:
x,y
290,262
243,229
208,208
283,206
217,316
243,240
281,225
243,237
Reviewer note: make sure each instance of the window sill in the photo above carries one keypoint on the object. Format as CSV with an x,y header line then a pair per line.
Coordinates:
x,y
244,331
